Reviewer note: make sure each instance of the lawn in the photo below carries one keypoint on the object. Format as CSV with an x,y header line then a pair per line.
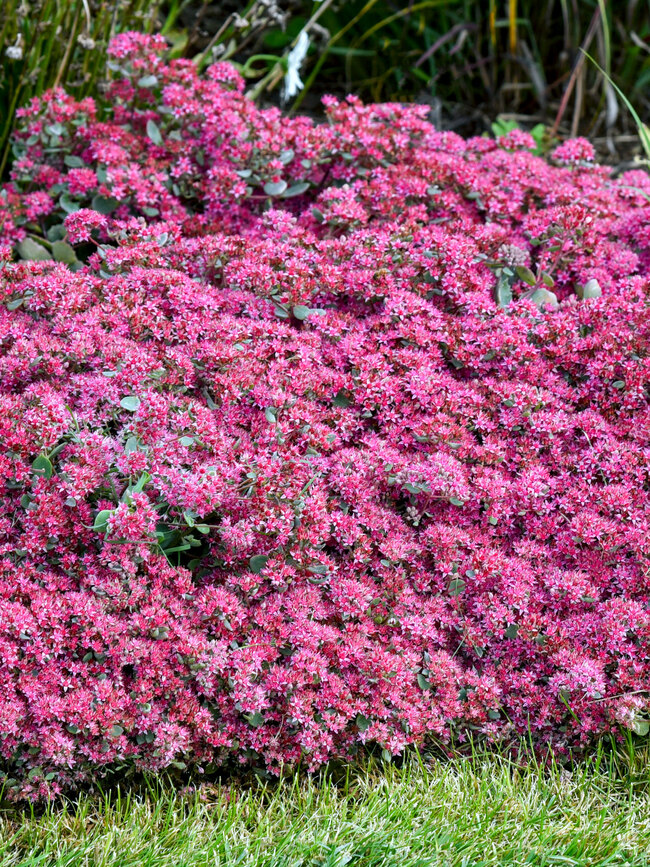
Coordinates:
x,y
480,811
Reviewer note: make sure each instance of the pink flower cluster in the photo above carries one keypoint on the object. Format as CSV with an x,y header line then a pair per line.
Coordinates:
x,y
325,436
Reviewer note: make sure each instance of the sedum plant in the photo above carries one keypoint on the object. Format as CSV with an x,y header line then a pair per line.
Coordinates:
x,y
315,438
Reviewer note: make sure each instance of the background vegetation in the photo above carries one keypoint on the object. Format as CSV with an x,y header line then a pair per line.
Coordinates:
x,y
470,60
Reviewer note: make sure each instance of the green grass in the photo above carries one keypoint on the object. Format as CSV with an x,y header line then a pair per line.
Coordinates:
x,y
483,811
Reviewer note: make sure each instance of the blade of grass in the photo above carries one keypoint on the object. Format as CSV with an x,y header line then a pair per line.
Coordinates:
x,y
512,28
643,130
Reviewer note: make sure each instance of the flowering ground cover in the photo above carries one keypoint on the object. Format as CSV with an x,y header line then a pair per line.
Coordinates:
x,y
313,436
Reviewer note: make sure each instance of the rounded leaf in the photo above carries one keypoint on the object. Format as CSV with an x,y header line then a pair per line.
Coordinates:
x,y
296,190
32,250
258,562
154,133
275,188
101,520
591,289
104,204
544,298
42,466
130,402
63,252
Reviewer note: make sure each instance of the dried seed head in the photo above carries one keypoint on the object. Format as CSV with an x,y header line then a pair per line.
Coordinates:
x,y
15,51
86,41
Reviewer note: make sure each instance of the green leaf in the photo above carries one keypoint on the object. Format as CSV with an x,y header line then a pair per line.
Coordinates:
x,y
640,726
502,127
63,252
73,162
511,631
301,312
526,275
619,384
69,205
456,502
116,731
101,520
147,81
544,298
56,232
104,204
277,38
32,251
255,719
362,722
456,586
154,133
270,413
186,441
131,445
423,683
341,399
42,466
275,188
591,289
139,485
258,562
296,190
503,290
130,402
